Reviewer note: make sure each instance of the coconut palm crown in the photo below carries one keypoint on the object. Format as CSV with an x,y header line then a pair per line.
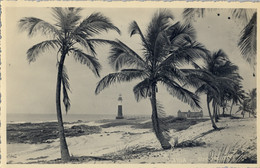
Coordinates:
x,y
166,48
67,36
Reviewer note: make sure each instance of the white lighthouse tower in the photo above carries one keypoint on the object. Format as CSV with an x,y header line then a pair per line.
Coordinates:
x,y
120,108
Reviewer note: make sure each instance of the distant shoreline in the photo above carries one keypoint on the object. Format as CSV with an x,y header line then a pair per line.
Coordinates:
x,y
40,118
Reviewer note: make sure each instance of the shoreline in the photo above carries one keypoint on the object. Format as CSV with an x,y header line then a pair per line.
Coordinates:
x,y
46,132
129,143
39,118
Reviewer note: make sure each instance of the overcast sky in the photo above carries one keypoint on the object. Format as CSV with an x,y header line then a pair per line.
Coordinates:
x,y
31,87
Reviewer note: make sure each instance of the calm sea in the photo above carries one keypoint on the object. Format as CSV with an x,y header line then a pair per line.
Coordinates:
x,y
53,117
66,118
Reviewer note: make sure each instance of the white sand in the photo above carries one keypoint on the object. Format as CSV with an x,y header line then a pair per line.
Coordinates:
x,y
124,138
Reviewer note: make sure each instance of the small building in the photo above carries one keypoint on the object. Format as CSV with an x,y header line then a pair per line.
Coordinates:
x,y
190,114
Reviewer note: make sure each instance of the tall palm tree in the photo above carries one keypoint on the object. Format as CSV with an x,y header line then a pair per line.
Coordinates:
x,y
246,17
166,48
67,35
219,79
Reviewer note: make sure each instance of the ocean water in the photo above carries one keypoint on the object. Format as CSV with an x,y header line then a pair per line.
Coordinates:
x,y
16,118
13,118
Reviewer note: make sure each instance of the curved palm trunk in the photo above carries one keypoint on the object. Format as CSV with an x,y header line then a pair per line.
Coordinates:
x,y
215,114
65,156
156,126
211,118
231,108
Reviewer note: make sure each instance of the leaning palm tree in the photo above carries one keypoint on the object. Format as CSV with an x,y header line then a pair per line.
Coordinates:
x,y
217,79
246,17
166,48
237,97
67,35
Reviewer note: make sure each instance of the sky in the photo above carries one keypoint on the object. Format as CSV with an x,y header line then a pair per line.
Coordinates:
x,y
31,87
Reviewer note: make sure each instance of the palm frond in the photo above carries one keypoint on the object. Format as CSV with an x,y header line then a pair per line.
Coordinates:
x,y
201,78
95,24
202,89
190,13
121,55
228,70
219,54
173,73
159,23
162,120
66,88
86,59
125,75
66,18
186,54
142,89
159,51
135,29
86,44
35,50
181,93
181,32
242,14
34,25
247,42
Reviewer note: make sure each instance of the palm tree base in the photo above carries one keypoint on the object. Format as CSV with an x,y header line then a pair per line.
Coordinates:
x,y
215,127
165,147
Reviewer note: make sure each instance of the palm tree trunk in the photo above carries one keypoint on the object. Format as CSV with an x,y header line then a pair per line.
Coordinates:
x,y
65,156
156,126
231,107
215,115
211,118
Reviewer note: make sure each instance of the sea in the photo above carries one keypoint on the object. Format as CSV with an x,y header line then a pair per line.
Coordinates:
x,y
34,118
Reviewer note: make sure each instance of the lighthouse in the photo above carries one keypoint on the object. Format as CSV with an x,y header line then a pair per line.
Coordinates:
x,y
120,108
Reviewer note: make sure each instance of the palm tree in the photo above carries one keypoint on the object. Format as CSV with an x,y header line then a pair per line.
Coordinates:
x,y
210,88
166,48
246,17
252,101
237,97
67,34
244,107
218,79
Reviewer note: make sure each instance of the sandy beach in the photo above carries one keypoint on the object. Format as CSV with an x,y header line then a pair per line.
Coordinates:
x,y
126,143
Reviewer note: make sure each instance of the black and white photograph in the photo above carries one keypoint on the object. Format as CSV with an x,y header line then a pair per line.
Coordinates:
x,y
130,85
